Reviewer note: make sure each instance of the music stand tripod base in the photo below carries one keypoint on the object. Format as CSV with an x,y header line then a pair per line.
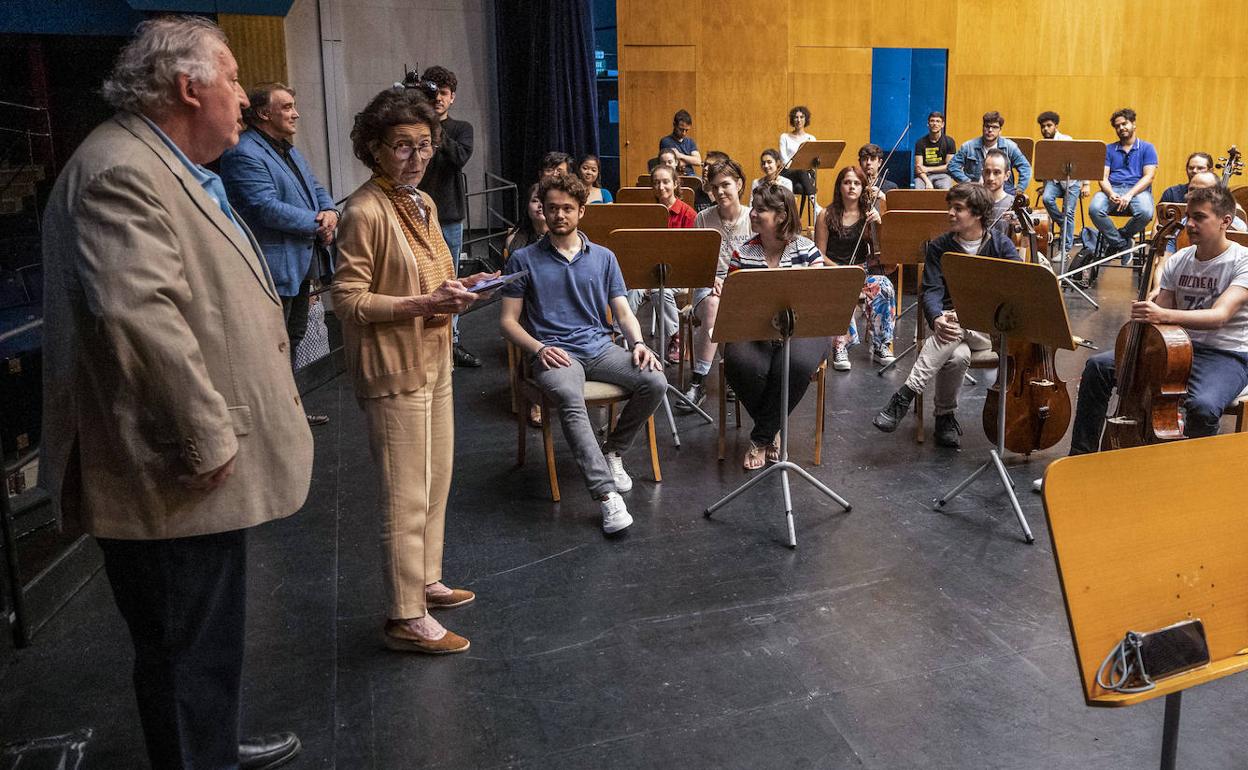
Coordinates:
x,y
796,302
1010,298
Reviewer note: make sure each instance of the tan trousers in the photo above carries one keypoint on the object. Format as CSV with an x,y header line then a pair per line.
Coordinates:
x,y
412,439
947,362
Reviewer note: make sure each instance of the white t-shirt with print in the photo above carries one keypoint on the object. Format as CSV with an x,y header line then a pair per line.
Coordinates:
x,y
1197,286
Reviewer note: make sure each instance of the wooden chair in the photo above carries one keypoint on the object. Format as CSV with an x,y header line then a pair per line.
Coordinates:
x,y
1237,408
821,395
646,195
597,394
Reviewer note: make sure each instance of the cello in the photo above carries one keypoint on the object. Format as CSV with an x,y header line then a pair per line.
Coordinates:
x,y
1037,403
1153,362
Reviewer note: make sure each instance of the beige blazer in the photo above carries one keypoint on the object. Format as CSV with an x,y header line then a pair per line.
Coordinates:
x,y
375,270
165,352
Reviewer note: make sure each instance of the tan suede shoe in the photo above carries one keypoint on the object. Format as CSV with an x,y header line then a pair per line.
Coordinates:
x,y
399,637
458,597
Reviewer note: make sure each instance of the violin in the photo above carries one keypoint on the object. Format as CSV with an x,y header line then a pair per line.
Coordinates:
x,y
1153,362
1037,403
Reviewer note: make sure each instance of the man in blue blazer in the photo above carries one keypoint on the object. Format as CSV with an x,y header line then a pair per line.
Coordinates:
x,y
287,209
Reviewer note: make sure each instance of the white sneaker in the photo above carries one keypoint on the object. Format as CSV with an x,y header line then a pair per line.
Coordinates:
x,y
623,482
840,359
1037,485
615,515
883,356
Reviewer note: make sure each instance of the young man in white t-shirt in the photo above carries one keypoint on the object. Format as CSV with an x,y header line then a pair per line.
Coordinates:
x,y
724,182
1204,289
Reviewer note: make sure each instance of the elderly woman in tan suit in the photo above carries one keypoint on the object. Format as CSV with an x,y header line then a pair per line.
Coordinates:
x,y
395,291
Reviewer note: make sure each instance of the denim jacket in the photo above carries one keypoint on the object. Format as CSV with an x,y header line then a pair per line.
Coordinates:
x,y
967,163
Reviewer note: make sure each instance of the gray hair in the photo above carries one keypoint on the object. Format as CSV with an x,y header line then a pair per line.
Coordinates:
x,y
146,73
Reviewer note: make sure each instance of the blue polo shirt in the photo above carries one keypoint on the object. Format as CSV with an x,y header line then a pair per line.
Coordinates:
x,y
565,301
1126,168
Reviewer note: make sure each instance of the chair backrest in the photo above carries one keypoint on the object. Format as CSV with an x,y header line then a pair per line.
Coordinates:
x,y
646,195
902,199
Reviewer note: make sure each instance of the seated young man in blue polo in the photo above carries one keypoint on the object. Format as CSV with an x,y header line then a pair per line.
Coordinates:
x,y
557,315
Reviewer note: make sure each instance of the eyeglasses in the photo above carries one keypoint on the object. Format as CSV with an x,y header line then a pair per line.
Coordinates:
x,y
404,150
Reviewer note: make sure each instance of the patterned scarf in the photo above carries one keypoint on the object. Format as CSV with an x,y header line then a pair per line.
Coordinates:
x,y
433,258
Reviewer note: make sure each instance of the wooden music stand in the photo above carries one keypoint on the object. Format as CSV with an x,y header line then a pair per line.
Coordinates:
x,y
1027,146
599,220
658,258
780,304
1131,559
903,199
1019,300
646,195
903,241
1069,159
814,155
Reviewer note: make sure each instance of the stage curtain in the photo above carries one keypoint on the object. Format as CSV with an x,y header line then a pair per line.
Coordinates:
x,y
546,91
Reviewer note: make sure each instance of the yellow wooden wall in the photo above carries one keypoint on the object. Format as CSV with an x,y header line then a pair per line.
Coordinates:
x,y
739,65
259,45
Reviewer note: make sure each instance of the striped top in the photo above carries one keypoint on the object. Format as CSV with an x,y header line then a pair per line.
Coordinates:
x,y
800,252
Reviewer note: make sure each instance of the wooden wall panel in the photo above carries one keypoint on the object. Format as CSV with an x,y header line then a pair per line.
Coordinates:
x,y
1083,59
259,45
655,95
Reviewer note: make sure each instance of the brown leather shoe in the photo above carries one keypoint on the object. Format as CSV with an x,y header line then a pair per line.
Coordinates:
x,y
458,597
399,637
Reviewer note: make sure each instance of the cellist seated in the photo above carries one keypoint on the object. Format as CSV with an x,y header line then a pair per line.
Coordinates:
x,y
1203,289
946,354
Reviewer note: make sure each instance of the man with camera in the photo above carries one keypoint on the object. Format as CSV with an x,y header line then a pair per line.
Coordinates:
x,y
444,180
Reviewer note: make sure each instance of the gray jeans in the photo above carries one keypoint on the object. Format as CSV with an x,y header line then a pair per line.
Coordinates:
x,y
947,361
565,386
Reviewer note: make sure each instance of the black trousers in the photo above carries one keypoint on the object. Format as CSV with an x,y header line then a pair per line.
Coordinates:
x,y
754,370
295,310
184,600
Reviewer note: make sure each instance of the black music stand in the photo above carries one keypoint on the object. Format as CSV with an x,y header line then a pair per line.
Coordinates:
x,y
903,241
1069,159
814,155
1013,299
780,304
657,258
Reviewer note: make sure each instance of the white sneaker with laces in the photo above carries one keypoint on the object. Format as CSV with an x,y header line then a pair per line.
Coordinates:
x,y
623,482
840,359
1037,485
883,356
615,516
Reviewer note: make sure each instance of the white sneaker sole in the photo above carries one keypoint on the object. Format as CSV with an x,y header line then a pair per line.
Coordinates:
x,y
617,524
841,366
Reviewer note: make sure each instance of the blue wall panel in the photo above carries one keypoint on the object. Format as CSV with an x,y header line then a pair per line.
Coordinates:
x,y
906,84
114,17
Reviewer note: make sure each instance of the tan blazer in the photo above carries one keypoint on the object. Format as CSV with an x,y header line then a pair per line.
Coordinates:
x,y
165,352
375,270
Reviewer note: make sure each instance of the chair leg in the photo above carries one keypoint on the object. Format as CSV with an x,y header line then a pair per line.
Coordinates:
x,y
723,407
511,377
522,417
548,441
1239,418
653,436
821,393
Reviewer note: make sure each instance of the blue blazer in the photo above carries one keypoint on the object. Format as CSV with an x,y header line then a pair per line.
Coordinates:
x,y
264,190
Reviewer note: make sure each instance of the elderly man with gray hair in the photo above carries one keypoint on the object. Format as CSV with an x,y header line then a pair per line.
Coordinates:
x,y
172,424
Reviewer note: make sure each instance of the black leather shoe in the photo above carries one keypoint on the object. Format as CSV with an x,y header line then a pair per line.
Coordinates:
x,y
696,395
463,358
318,419
947,431
888,418
268,751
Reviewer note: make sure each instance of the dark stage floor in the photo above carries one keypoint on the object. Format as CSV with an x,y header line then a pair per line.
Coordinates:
x,y
893,637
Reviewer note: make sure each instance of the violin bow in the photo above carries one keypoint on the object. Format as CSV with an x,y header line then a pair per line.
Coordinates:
x,y
853,255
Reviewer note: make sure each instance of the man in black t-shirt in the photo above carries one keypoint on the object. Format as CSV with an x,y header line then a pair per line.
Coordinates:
x,y
931,155
444,182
